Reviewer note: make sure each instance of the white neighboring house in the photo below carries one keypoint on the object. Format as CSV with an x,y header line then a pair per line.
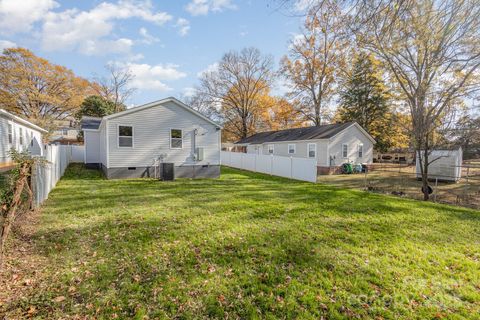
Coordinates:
x,y
130,143
331,145
20,135
444,164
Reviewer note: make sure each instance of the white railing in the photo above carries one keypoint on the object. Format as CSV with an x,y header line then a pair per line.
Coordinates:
x,y
288,167
46,174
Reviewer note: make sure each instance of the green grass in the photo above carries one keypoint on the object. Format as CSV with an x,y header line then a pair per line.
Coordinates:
x,y
249,246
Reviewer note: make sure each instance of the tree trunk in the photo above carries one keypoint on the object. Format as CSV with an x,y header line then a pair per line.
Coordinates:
x,y
426,195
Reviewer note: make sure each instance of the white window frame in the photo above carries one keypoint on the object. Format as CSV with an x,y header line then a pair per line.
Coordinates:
x,y
360,150
273,148
308,150
181,134
343,150
118,135
294,148
10,136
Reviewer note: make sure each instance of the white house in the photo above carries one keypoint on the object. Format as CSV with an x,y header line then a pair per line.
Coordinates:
x,y
132,143
18,134
444,164
331,145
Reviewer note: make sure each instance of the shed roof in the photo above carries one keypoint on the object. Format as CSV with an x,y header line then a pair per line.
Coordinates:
x,y
310,133
90,123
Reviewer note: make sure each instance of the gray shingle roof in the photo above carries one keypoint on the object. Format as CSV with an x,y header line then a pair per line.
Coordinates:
x,y
91,123
309,133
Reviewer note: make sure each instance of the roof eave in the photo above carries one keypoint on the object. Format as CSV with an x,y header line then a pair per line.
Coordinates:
x,y
23,121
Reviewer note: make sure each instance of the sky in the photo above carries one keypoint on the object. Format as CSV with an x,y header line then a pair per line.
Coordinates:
x,y
165,43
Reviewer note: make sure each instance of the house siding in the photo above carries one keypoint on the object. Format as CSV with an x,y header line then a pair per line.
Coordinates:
x,y
29,135
151,137
353,137
301,148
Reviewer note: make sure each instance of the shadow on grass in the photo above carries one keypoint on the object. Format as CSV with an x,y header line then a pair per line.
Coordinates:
x,y
267,246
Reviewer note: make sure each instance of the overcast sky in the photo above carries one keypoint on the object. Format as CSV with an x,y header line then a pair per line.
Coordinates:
x,y
166,43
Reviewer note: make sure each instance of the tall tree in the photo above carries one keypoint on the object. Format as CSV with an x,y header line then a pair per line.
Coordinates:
x,y
279,114
95,106
233,89
314,59
365,99
38,90
116,86
432,49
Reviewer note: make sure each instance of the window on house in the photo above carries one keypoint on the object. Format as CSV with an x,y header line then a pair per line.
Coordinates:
x,y
312,150
20,136
291,149
125,136
270,149
176,139
10,133
345,150
65,132
360,150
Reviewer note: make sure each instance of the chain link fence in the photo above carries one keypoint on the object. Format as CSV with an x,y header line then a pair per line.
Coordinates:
x,y
401,180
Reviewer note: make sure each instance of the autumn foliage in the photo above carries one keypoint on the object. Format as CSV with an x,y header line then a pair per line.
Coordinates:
x,y
37,89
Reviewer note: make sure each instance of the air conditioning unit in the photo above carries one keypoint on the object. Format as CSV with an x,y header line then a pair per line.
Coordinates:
x,y
199,154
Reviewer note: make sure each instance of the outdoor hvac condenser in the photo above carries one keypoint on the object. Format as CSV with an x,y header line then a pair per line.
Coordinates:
x,y
167,171
446,165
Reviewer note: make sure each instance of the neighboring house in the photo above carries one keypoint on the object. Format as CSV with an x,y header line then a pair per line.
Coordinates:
x,y
131,143
331,145
18,134
67,131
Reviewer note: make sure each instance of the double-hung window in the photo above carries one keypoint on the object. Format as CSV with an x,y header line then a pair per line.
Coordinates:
x,y
271,149
125,136
291,148
312,150
360,150
345,150
176,139
10,133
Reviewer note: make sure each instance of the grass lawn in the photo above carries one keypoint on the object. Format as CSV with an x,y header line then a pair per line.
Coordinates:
x,y
388,178
247,246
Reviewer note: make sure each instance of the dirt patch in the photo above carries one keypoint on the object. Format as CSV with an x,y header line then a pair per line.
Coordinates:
x,y
23,267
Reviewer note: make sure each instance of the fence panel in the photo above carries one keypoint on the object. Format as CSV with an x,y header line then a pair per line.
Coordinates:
x,y
302,169
47,173
264,163
78,154
289,167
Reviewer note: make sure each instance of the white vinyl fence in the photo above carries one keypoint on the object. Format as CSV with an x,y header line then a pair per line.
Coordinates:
x,y
47,173
288,167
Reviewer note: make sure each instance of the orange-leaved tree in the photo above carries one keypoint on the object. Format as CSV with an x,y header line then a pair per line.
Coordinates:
x,y
37,89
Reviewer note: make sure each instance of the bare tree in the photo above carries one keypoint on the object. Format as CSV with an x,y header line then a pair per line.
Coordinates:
x,y
315,58
232,91
432,50
116,87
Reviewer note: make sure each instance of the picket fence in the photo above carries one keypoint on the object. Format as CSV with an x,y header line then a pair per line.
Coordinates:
x,y
46,173
288,167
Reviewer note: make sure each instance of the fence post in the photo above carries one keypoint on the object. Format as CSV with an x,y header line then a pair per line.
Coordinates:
x,y
255,162
291,167
271,165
